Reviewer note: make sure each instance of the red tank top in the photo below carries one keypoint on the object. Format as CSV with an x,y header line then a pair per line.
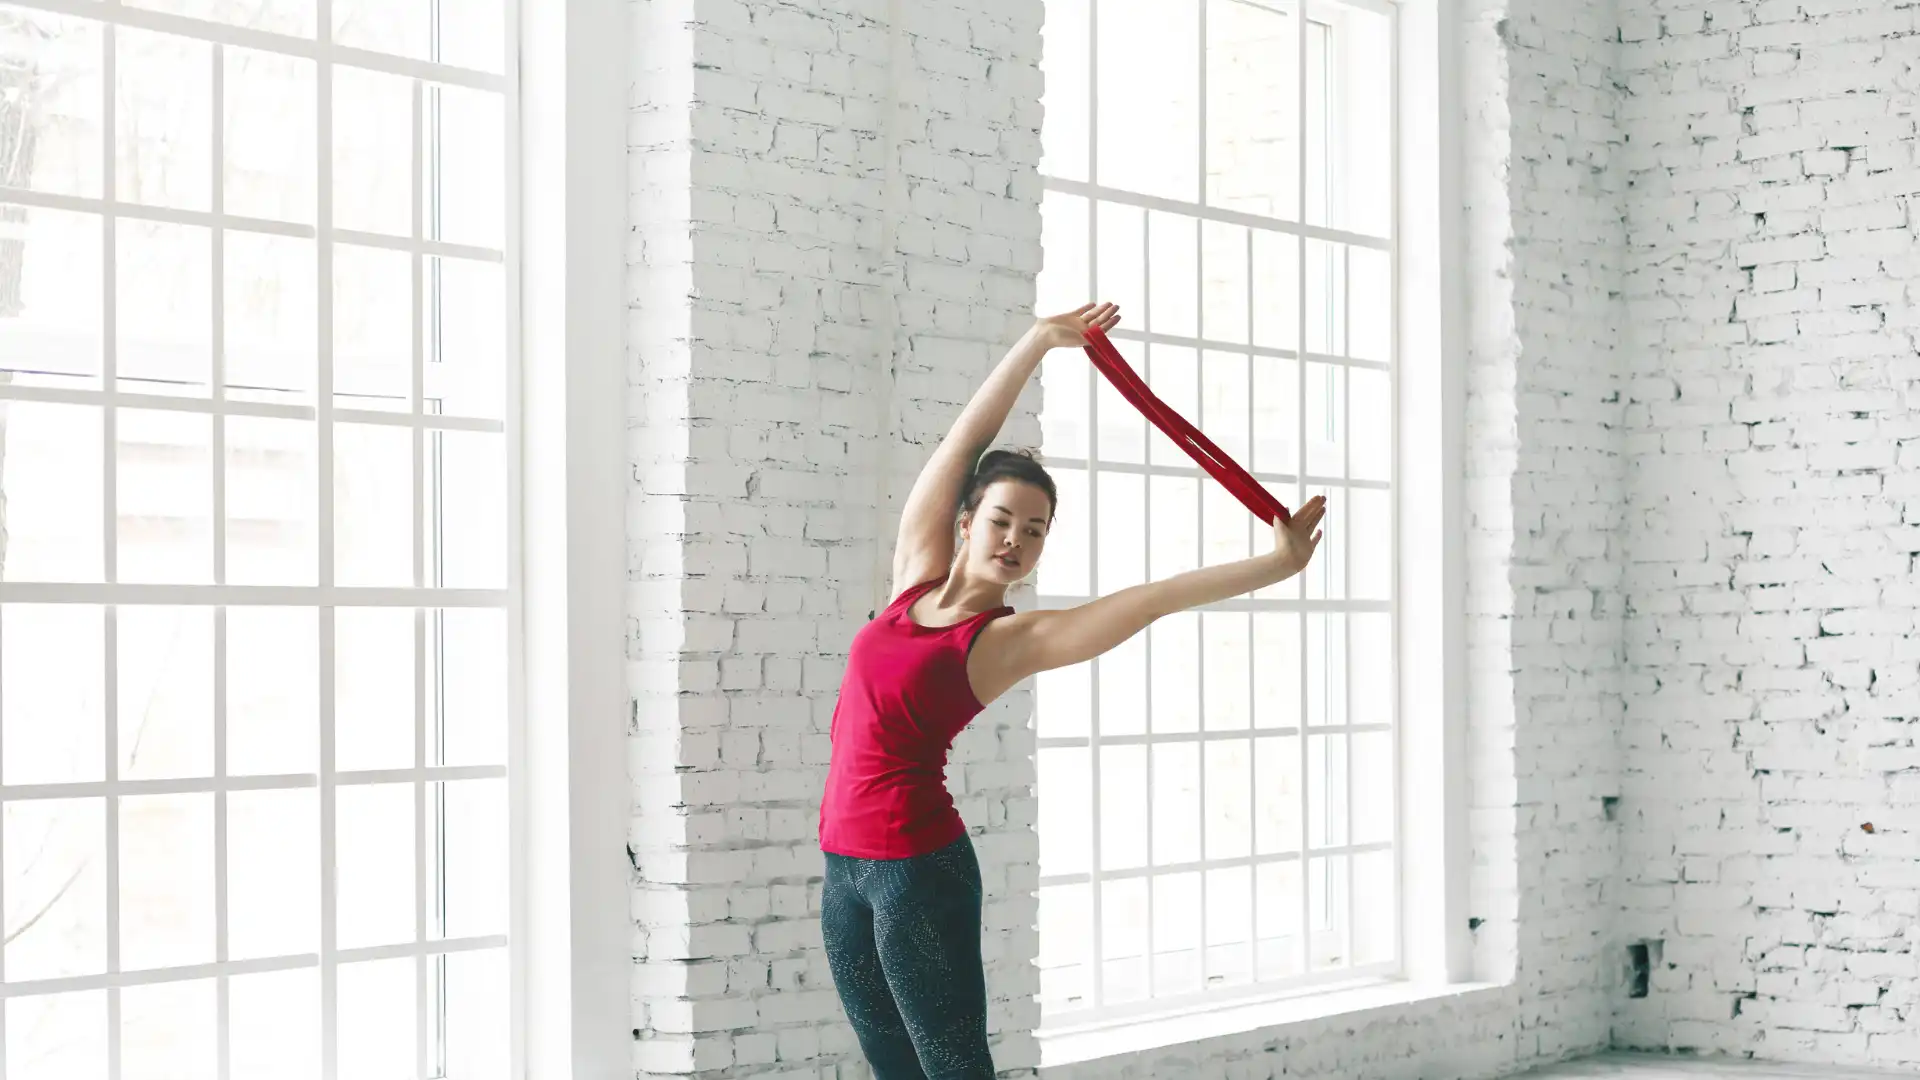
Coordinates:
x,y
903,699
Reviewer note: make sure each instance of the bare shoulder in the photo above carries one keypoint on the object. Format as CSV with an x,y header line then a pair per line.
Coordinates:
x,y
999,659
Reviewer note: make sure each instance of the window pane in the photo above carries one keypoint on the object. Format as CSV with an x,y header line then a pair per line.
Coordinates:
x,y
478,1021
1326,669
1176,803
1276,414
1063,280
467,687
1064,62
1065,787
1362,83
1373,791
1277,919
1327,907
1121,270
1370,300
1065,704
1123,813
276,16
1325,313
168,1031
164,307
1375,908
1138,36
1327,791
373,688
1229,926
1227,670
1253,90
165,496
1123,939
377,1025
62,86
1224,408
163,120
466,33
1063,416
1174,274
52,711
274,1025
1372,664
273,873
1174,546
56,918
165,702
375,858
466,514
1276,287
1276,678
272,343
1176,934
1123,511
269,140
1175,642
1223,268
466,374
1123,429
373,116
372,505
273,690
373,328
466,182
1370,424
1370,538
1326,420
1064,567
273,501
1066,945
166,880
50,305
469,818
52,477
1229,802
1276,794
1123,687
57,1036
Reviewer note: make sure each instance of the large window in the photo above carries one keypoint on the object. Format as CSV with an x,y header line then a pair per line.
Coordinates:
x,y
255,378
1218,796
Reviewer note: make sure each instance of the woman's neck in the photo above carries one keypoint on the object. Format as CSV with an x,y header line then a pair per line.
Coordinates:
x,y
970,594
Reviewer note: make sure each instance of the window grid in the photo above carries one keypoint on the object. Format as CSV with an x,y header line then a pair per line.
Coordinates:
x,y
1330,904
426,600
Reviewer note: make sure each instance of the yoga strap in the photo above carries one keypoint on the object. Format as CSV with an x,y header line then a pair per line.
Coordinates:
x,y
1201,449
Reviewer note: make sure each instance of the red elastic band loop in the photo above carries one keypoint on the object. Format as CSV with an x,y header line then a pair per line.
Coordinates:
x,y
1257,499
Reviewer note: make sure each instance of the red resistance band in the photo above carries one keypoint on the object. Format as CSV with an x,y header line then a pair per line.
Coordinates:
x,y
1184,435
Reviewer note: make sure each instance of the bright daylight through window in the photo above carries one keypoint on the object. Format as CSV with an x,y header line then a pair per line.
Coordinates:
x,y
1218,796
254,524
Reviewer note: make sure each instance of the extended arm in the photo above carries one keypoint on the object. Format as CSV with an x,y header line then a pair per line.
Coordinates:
x,y
1027,644
924,548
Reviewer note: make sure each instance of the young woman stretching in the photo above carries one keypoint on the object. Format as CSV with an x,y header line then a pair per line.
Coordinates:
x,y
901,911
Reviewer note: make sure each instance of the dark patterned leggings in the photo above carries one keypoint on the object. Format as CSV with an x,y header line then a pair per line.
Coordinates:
x,y
903,939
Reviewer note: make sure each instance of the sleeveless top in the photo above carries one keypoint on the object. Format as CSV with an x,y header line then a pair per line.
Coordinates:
x,y
903,699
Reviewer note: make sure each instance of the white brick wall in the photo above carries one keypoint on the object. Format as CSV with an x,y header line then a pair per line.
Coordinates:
x,y
1771,439
835,231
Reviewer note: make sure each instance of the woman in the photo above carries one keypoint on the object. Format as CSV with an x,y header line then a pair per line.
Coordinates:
x,y
901,910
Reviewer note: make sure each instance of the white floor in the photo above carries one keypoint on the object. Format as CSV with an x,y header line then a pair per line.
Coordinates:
x,y
1650,1067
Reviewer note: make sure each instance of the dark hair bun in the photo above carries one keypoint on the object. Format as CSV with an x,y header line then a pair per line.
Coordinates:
x,y
1019,466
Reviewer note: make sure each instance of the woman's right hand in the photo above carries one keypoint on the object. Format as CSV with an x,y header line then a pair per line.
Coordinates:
x,y
1069,331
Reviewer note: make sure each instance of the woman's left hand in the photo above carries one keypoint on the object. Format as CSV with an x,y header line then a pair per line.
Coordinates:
x,y
1069,331
1296,538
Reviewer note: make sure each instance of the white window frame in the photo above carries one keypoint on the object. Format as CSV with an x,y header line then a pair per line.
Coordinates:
x,y
1432,943
569,937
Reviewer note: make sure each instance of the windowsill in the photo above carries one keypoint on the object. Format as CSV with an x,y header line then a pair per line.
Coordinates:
x,y
1115,1038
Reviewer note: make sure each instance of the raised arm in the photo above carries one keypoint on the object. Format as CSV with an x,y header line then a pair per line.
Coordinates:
x,y
1018,646
924,548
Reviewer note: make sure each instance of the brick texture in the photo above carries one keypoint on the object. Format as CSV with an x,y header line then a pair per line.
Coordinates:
x,y
1770,788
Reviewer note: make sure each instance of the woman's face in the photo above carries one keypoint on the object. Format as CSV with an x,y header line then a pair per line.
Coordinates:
x,y
1001,540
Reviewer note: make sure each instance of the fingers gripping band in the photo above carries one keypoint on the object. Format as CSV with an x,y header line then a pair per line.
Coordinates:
x,y
1201,449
